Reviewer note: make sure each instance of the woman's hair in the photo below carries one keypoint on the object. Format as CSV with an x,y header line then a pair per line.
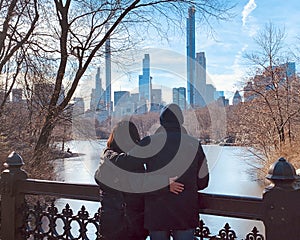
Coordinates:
x,y
123,137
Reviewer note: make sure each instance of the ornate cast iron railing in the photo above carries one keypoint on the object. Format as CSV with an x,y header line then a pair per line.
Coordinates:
x,y
40,222
279,209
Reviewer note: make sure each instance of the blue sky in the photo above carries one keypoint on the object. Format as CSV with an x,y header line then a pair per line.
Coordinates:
x,y
224,50
225,62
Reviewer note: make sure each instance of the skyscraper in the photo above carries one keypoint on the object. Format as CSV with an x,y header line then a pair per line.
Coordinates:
x,y
98,84
179,97
237,99
191,52
145,80
290,68
156,96
78,106
121,97
156,100
97,97
210,92
200,81
108,75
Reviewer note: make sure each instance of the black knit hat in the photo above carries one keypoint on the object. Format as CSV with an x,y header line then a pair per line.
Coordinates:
x,y
171,114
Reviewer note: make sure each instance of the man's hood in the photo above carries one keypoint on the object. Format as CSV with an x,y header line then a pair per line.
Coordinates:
x,y
170,115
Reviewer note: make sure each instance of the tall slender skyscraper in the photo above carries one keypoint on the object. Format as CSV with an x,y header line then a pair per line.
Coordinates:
x,y
191,53
145,80
108,75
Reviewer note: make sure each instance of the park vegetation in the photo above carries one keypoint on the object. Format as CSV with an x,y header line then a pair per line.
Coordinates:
x,y
53,43
47,47
268,121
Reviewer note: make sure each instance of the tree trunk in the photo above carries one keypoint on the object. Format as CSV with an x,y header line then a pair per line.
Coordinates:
x,y
42,145
281,135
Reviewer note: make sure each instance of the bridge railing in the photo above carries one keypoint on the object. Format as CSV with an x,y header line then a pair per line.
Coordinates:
x,y
278,209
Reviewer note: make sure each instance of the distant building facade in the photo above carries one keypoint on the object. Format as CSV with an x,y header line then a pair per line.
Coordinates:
x,y
121,97
248,92
17,94
277,75
210,93
289,68
179,97
222,101
156,100
237,99
156,96
98,94
78,106
200,81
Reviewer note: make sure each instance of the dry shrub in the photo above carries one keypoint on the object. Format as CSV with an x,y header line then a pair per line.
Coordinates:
x,y
291,152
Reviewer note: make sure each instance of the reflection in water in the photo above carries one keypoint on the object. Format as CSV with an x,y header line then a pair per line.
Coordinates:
x,y
229,174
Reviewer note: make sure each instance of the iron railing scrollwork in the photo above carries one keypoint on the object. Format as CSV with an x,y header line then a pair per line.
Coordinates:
x,y
254,235
47,222
40,222
202,232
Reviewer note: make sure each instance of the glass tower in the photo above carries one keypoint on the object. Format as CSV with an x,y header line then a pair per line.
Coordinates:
x,y
191,52
200,83
179,97
145,80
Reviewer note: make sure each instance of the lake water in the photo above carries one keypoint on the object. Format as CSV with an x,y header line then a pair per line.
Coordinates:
x,y
229,174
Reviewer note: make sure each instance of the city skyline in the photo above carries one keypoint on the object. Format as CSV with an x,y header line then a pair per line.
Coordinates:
x,y
225,64
149,98
198,93
226,44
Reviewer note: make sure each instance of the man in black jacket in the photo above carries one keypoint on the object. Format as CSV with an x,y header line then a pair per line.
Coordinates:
x,y
174,154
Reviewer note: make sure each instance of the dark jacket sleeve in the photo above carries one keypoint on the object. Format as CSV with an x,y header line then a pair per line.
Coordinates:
x,y
129,163
107,176
142,182
203,173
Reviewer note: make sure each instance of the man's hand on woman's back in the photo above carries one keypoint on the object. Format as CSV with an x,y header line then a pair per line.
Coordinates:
x,y
175,187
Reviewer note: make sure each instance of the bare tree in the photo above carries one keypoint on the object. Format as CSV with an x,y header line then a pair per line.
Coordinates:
x,y
19,19
73,34
270,115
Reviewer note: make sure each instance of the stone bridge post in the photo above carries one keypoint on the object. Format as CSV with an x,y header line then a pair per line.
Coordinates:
x,y
11,199
282,202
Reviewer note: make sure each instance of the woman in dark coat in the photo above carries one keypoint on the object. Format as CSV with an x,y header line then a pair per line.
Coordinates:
x,y
122,214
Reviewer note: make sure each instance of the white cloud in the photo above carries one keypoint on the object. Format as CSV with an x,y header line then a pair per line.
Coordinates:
x,y
248,8
231,81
